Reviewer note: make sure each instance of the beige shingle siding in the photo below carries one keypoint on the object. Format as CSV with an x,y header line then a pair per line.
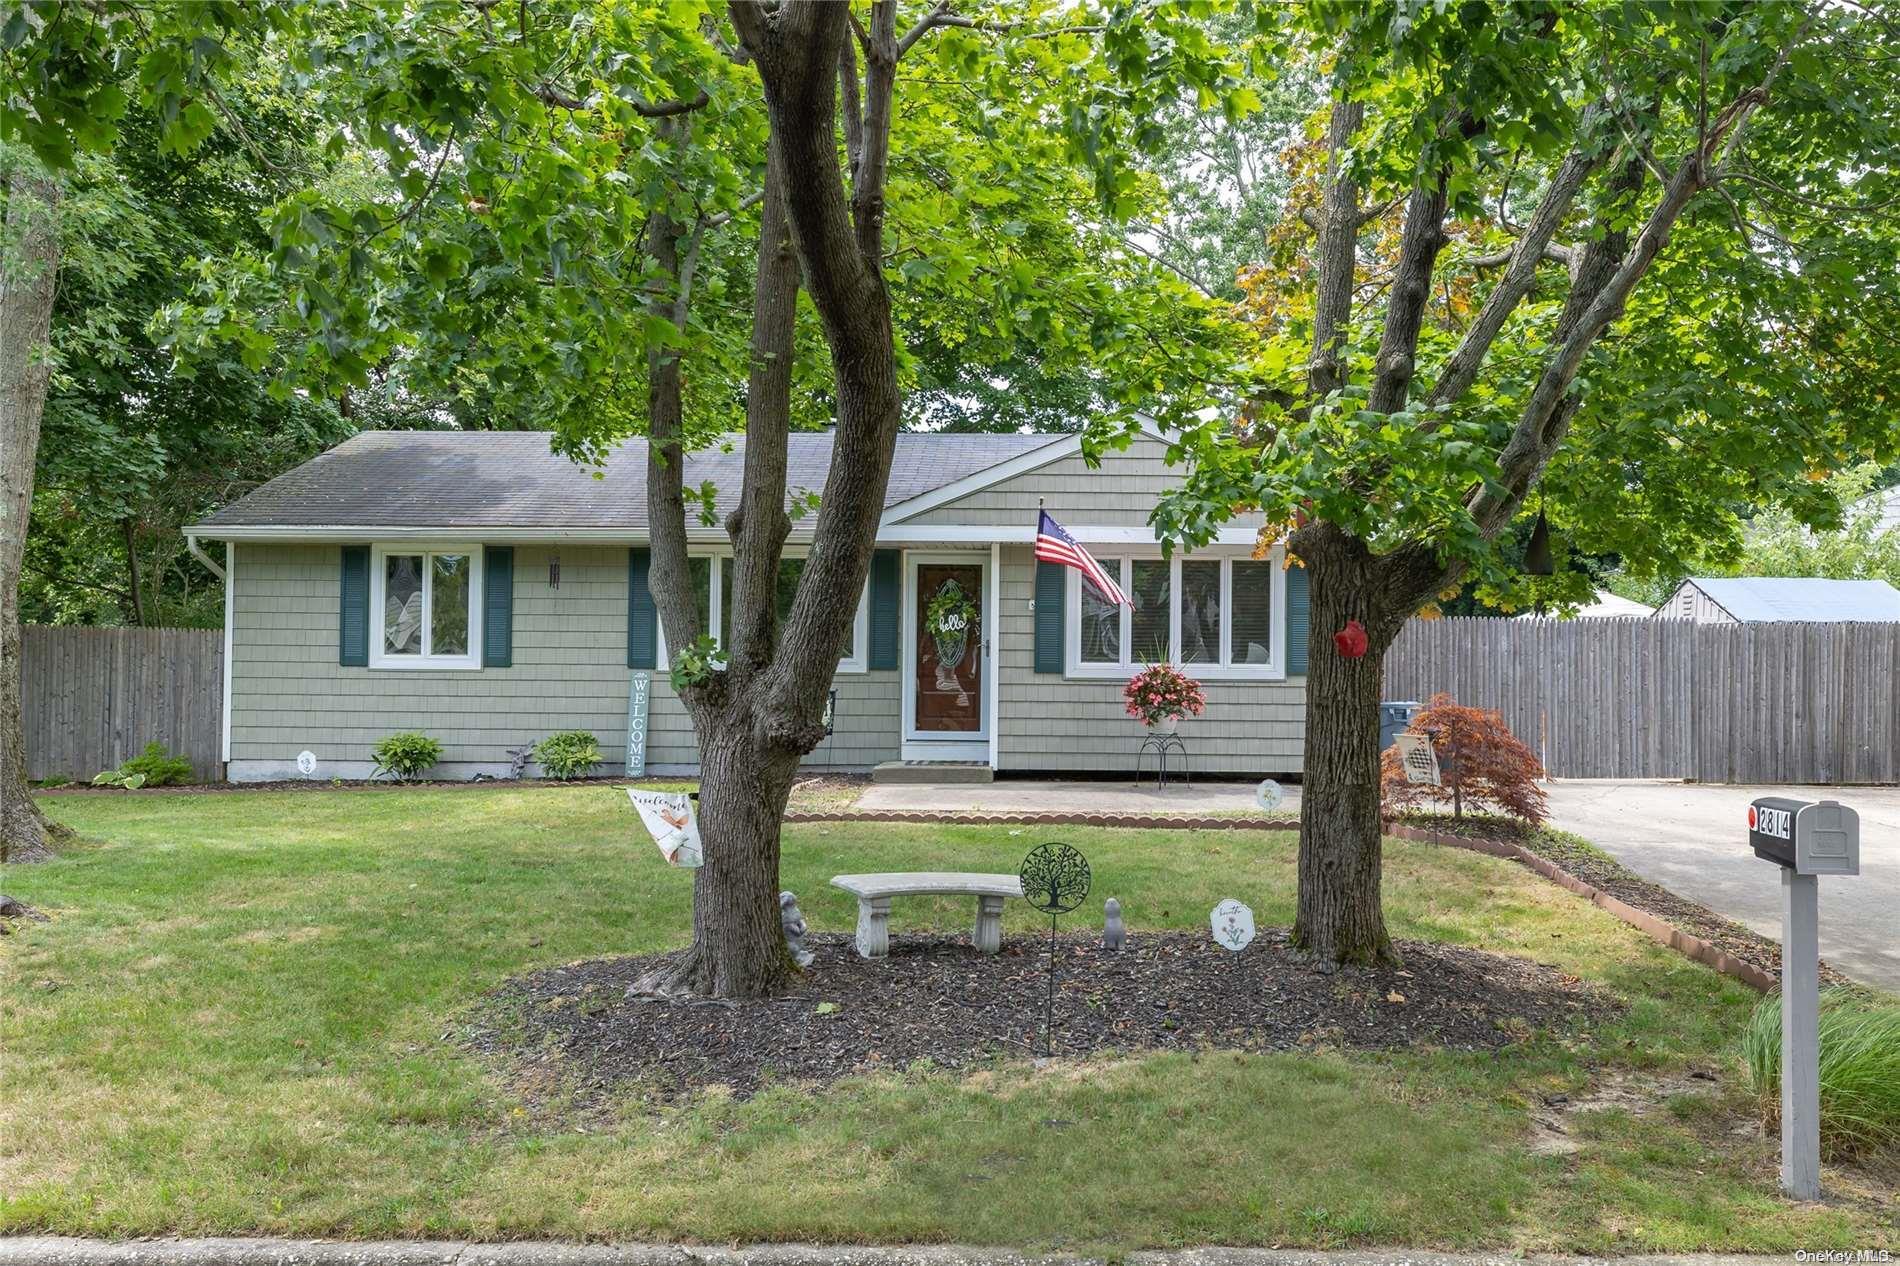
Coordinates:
x,y
1050,722
288,693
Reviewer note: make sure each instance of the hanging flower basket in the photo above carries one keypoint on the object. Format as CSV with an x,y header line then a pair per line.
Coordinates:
x,y
1160,695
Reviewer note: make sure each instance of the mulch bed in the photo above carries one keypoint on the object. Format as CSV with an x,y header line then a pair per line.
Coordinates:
x,y
938,1000
1611,876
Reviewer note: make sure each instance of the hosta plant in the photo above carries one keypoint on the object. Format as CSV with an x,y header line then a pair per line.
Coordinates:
x,y
407,755
569,754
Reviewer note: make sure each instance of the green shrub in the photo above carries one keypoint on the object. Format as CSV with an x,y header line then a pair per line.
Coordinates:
x,y
406,755
569,754
1860,1068
154,767
161,768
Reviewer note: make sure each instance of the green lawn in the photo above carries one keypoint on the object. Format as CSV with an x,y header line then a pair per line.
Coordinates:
x,y
236,1020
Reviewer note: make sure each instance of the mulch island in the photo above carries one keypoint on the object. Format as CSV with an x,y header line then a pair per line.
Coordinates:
x,y
938,1000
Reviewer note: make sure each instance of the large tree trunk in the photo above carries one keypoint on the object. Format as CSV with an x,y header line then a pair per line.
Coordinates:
x,y
1339,916
738,948
758,716
745,776
29,272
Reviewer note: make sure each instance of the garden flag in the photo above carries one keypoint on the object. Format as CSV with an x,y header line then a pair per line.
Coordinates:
x,y
1053,545
668,818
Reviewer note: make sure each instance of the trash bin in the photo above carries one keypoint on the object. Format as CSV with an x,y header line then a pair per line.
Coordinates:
x,y
1394,716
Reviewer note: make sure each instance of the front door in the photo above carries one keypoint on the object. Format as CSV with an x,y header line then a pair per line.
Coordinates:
x,y
949,632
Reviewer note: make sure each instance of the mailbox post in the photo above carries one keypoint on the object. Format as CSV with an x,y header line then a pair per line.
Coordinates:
x,y
1807,840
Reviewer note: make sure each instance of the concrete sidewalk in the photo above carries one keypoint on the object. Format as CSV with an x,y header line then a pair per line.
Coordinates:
x,y
1692,838
1025,796
53,1251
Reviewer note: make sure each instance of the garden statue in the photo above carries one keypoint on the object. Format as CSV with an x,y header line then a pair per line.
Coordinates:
x,y
793,921
1113,933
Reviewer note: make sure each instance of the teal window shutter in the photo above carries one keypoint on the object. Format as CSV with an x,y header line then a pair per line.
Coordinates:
x,y
1299,607
498,606
1052,598
886,599
352,612
643,625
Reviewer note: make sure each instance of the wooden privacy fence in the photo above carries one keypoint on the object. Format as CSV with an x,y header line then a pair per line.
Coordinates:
x,y
93,697
1744,703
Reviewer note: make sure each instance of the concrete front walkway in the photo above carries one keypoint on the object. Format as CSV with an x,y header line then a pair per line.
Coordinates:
x,y
54,1251
1009,795
1692,838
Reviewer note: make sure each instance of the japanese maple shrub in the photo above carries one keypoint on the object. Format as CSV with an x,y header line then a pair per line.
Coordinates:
x,y
1479,762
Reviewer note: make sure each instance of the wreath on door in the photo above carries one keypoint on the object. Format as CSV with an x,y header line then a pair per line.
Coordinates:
x,y
950,619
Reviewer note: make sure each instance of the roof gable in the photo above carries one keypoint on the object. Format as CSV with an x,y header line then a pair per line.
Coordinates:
x,y
1799,599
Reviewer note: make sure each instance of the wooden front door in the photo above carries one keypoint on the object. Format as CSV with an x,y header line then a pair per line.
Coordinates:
x,y
948,677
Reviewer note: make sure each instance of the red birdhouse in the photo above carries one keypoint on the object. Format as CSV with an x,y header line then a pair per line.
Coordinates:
x,y
1350,641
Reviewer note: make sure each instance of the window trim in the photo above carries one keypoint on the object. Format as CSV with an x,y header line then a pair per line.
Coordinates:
x,y
378,575
1120,565
715,602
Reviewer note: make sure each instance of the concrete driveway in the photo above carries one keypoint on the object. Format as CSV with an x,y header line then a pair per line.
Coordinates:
x,y
1693,839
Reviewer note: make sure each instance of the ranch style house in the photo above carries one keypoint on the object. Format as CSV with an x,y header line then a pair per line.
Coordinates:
x,y
480,588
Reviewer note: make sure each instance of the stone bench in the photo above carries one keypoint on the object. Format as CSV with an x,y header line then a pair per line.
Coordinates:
x,y
874,893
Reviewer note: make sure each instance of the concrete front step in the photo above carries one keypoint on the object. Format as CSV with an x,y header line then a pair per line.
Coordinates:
x,y
936,772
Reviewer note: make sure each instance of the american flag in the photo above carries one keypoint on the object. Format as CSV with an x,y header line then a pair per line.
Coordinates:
x,y
1053,545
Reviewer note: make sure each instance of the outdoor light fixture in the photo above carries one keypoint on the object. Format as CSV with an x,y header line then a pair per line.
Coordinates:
x,y
554,571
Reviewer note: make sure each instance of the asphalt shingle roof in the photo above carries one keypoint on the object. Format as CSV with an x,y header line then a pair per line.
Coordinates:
x,y
512,479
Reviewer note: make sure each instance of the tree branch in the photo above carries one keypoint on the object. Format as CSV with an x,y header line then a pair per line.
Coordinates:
x,y
759,526
880,85
668,577
548,94
1461,370
1589,311
848,103
1553,252
924,26
1419,243
1336,255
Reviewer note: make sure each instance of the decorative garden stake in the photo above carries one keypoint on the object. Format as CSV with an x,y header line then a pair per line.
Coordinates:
x,y
1350,641
1233,925
1055,880
1114,933
1269,795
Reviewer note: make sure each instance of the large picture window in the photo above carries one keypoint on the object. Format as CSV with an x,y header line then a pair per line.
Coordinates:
x,y
711,579
1220,616
424,602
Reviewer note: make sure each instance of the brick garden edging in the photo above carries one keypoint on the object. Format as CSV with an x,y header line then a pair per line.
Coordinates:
x,y
1642,920
1675,938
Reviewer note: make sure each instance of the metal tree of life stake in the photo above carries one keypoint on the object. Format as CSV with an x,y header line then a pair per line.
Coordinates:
x,y
1055,879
